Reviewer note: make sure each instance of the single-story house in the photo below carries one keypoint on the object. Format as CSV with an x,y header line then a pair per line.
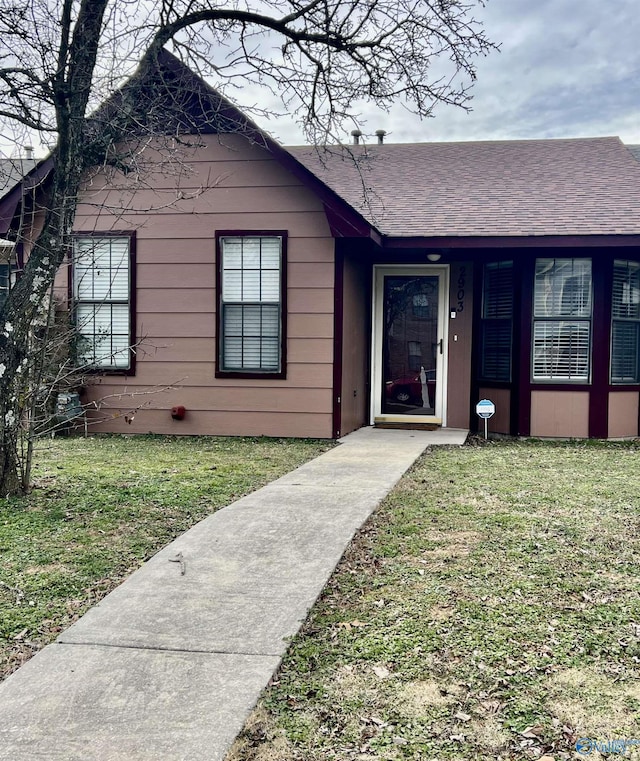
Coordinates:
x,y
253,289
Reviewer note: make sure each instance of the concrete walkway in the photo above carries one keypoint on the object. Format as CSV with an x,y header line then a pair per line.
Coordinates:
x,y
170,664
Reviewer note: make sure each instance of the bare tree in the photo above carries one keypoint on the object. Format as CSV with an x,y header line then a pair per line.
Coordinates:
x,y
60,59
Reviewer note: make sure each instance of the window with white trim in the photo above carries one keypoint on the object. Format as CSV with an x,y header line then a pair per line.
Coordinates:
x,y
496,322
251,303
5,275
102,301
562,320
625,322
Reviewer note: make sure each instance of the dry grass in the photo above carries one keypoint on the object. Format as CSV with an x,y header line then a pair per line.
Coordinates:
x,y
103,505
489,610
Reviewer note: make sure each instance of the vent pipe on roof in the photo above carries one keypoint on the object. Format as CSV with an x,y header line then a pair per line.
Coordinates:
x,y
380,133
28,150
356,135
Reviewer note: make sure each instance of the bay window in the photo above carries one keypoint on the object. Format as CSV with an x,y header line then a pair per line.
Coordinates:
x,y
250,303
102,276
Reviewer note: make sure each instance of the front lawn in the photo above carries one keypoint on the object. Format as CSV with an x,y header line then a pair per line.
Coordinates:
x,y
103,505
490,609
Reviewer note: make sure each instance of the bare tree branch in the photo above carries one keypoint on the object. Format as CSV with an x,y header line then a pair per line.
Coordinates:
x,y
61,59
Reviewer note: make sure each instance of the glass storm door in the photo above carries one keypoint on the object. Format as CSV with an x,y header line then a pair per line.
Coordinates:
x,y
411,345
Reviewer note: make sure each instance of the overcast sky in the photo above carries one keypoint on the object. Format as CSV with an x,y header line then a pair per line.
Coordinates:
x,y
567,68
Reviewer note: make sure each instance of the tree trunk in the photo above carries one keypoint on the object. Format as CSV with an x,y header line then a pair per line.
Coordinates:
x,y
10,471
71,88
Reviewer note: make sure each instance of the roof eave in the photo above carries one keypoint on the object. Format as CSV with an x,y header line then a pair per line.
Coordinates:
x,y
10,201
511,241
344,221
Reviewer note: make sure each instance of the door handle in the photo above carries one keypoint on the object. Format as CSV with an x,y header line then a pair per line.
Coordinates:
x,y
440,346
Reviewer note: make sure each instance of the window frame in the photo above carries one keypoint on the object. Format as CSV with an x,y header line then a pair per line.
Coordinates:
x,y
560,318
130,370
624,320
7,268
281,373
505,322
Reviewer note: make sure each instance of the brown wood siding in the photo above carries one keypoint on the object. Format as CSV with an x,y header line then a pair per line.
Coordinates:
x,y
211,423
623,414
183,227
560,414
356,294
233,185
221,398
185,373
61,285
501,397
460,335
269,200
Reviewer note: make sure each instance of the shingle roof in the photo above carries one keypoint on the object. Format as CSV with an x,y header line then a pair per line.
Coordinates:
x,y
12,171
635,149
585,186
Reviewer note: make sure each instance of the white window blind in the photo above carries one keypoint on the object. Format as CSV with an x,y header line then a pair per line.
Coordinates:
x,y
251,303
562,320
101,286
497,318
561,350
625,328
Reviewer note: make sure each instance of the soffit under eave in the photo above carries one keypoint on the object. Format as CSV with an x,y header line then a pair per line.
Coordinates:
x,y
452,243
346,226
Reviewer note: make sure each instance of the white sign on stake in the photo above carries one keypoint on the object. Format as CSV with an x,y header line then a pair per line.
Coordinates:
x,y
485,409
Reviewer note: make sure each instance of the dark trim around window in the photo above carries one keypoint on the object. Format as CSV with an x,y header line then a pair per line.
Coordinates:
x,y
496,322
568,315
625,314
280,374
133,291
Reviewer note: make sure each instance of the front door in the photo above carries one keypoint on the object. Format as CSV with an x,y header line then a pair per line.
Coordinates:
x,y
410,345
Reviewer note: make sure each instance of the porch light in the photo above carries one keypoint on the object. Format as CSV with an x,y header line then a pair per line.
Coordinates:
x,y
434,257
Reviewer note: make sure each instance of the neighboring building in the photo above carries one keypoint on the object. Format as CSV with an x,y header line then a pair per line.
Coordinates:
x,y
292,292
12,172
19,179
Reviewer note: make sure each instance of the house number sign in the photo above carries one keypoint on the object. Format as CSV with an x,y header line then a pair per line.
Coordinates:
x,y
462,277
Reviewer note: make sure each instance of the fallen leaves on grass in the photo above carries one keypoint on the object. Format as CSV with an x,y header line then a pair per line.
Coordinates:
x,y
84,527
499,588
